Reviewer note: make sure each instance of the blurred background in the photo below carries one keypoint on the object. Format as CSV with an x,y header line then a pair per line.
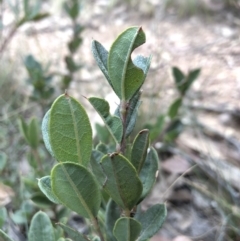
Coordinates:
x,y
45,48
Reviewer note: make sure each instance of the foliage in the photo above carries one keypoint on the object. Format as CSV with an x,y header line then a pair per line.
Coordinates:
x,y
82,175
169,125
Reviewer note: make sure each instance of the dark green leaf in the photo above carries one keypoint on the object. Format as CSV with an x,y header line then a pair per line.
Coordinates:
x,y
71,65
74,44
139,149
192,76
173,109
122,183
41,228
70,131
127,229
113,123
76,188
72,8
33,133
23,128
178,76
126,78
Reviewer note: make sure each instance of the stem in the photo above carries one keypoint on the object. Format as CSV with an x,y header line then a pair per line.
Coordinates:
x,y
124,109
97,228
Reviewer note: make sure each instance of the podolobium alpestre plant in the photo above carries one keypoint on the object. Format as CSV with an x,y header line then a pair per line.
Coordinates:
x,y
83,174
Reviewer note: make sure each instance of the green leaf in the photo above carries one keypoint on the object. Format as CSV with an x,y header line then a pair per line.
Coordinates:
x,y
113,123
173,109
139,149
151,221
70,131
178,76
33,133
73,45
3,160
102,148
127,229
72,8
40,16
71,65
45,186
122,183
192,76
4,236
76,188
100,55
45,132
41,228
23,127
113,213
73,234
126,78
148,172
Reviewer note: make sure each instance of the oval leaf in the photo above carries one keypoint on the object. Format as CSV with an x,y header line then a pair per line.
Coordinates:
x,y
41,228
139,149
70,131
45,132
126,78
76,188
127,229
151,221
148,172
33,133
45,186
173,109
113,123
122,183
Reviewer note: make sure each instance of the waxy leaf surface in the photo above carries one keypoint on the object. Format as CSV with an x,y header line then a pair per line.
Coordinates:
x,y
113,123
41,228
126,78
76,188
122,183
151,221
127,229
70,131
